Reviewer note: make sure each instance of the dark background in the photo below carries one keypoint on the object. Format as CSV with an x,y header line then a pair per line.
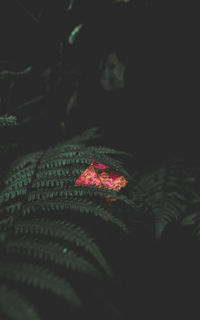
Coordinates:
x,y
154,115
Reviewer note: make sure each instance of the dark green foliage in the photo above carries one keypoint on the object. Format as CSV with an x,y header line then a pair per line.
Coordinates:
x,y
170,193
164,191
52,232
48,233
7,121
14,305
62,230
66,252
46,182
40,277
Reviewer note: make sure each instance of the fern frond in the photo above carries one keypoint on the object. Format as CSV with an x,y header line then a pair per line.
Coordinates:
x,y
24,173
60,172
85,136
164,192
15,306
19,183
65,147
41,278
5,222
106,150
52,252
68,192
82,151
190,220
113,164
74,204
25,161
60,163
102,192
8,121
12,208
41,197
62,230
6,196
52,182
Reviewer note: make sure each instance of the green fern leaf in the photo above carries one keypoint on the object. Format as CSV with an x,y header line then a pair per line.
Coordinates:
x,y
8,121
60,229
164,192
15,306
52,252
40,277
74,204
